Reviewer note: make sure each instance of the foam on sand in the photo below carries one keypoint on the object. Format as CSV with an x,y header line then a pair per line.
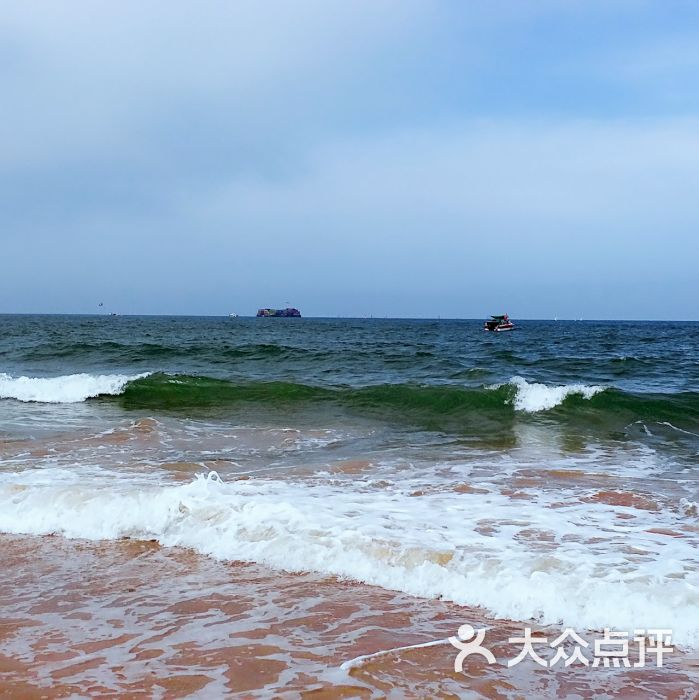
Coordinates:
x,y
576,565
70,388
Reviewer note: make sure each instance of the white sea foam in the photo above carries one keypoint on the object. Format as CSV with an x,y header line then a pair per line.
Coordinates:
x,y
689,508
71,388
594,569
540,397
679,430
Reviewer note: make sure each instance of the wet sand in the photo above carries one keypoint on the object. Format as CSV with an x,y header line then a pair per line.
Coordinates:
x,y
130,618
133,619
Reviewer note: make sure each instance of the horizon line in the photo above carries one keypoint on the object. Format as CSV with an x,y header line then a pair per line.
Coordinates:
x,y
351,318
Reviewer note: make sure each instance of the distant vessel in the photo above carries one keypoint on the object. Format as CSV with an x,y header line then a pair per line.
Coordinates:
x,y
498,324
232,315
279,313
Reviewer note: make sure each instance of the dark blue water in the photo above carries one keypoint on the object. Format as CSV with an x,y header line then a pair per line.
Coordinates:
x,y
444,375
633,356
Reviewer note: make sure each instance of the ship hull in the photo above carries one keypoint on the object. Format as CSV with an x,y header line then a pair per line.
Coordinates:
x,y
501,328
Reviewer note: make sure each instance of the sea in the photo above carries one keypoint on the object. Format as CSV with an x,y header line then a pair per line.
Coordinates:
x,y
275,507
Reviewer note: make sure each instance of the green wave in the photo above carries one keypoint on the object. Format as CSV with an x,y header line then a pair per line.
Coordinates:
x,y
184,391
621,406
438,407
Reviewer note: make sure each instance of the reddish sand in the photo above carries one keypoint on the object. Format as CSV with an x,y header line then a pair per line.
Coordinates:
x,y
132,619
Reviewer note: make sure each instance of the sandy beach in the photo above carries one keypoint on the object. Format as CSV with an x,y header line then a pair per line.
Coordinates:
x,y
133,619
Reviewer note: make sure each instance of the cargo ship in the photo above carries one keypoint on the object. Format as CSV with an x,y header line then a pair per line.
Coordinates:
x,y
278,313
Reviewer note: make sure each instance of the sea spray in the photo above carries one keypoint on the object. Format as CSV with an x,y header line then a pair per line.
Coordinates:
x,y
429,546
72,388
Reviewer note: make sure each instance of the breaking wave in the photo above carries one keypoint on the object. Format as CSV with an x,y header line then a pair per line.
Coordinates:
x,y
430,546
540,397
518,394
436,407
71,388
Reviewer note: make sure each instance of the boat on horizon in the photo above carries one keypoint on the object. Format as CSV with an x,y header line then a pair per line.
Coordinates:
x,y
499,324
289,312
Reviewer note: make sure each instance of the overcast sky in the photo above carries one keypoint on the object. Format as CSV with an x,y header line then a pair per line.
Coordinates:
x,y
382,157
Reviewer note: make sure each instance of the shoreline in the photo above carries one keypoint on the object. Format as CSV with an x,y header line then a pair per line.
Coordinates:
x,y
131,617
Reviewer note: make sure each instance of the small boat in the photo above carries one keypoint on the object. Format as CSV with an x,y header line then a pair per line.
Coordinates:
x,y
498,324
232,315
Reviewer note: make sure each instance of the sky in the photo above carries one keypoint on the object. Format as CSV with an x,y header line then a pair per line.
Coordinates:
x,y
407,158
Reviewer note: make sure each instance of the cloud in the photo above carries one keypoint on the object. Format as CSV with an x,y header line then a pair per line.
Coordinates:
x,y
542,173
433,221
438,157
90,80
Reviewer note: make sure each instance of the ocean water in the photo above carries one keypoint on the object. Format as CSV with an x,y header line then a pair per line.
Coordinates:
x,y
547,475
